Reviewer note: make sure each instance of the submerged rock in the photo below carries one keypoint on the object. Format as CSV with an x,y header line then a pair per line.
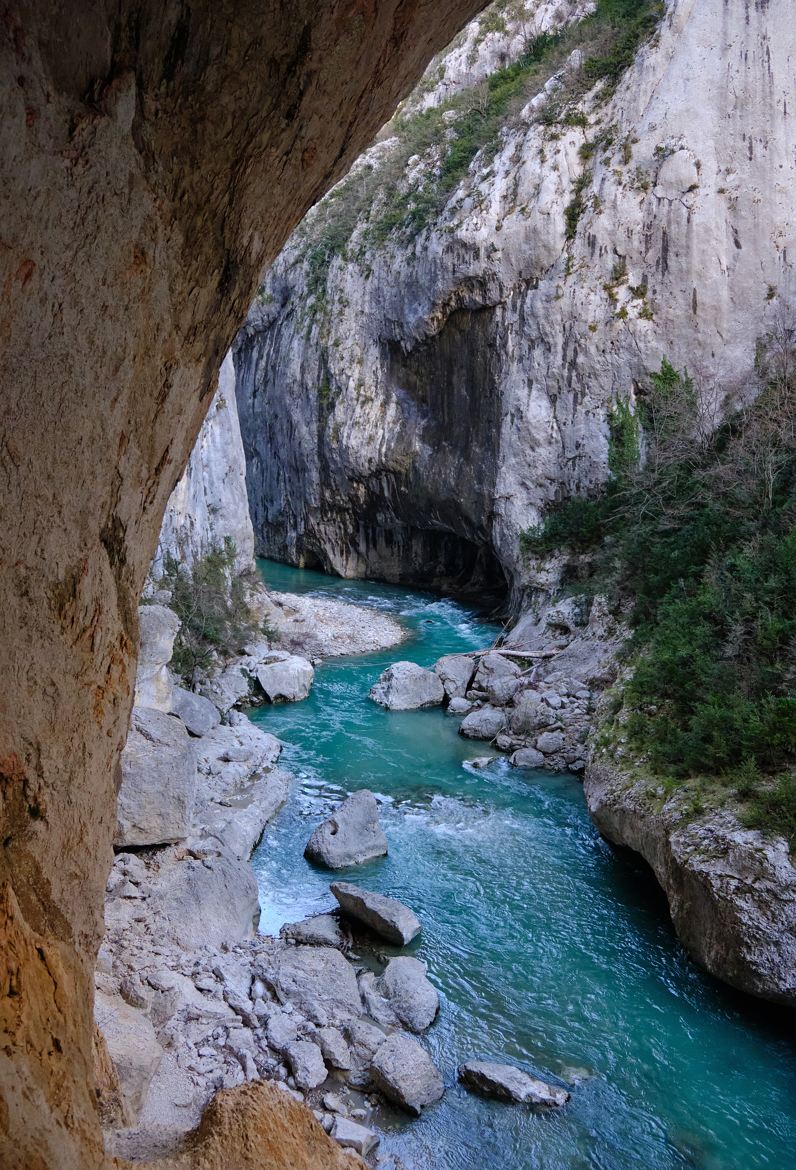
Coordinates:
x,y
156,798
287,680
483,723
387,917
508,1083
404,1072
405,686
351,835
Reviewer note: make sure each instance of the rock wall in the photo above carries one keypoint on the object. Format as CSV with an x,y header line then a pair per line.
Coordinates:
x,y
412,400
209,504
155,157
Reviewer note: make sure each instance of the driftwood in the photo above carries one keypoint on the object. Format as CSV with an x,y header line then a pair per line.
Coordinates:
x,y
534,654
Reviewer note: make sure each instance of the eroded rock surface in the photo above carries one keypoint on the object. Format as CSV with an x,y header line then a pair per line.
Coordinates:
x,y
351,835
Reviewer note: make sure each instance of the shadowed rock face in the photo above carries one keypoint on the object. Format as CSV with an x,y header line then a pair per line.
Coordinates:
x,y
155,157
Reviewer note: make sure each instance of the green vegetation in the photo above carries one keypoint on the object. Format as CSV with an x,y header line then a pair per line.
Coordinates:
x,y
701,535
211,603
389,200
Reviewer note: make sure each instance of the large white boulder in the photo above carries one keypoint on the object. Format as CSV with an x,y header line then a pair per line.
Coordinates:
x,y
386,917
483,723
158,627
508,1083
351,835
156,798
405,686
405,1073
198,714
455,672
287,680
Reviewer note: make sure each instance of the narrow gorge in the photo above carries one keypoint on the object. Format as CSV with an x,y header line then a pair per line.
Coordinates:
x,y
399,769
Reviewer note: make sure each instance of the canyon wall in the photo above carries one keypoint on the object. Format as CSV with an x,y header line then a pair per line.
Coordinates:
x,y
429,365
155,157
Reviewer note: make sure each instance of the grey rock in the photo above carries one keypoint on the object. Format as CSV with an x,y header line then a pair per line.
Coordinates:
x,y
484,723
334,1048
322,930
530,715
550,742
493,666
206,900
508,1083
286,681
502,689
527,757
387,917
406,1075
132,1046
319,982
158,788
459,707
405,686
228,688
306,1063
280,1031
197,713
158,627
351,835
352,1136
455,673
402,995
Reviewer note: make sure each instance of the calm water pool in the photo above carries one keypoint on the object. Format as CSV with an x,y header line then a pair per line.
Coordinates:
x,y
547,948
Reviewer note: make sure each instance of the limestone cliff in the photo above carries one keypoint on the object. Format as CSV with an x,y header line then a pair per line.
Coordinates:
x,y
430,363
209,504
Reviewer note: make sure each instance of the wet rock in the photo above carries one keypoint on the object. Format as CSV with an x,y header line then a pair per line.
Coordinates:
x,y
350,836
455,672
322,930
405,686
406,1075
484,723
156,798
197,713
527,758
352,1136
387,917
402,995
306,1063
507,1083
288,680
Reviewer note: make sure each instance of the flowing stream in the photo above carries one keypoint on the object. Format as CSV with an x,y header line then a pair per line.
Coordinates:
x,y
547,948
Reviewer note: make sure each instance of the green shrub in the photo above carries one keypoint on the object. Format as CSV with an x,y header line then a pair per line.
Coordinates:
x,y
211,603
772,808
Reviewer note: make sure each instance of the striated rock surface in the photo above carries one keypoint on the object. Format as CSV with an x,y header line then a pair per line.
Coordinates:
x,y
731,891
413,405
351,835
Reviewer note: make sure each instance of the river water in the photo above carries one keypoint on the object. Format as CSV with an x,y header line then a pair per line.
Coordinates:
x,y
547,948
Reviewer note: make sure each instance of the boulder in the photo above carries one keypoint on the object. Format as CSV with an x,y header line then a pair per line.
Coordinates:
x,y
455,672
287,680
406,1075
493,666
459,707
350,836
158,627
527,758
386,917
228,688
364,1039
198,714
502,689
209,898
484,723
352,1136
158,765
322,930
550,742
405,686
507,1083
132,1046
306,1063
334,1048
318,982
402,995
530,715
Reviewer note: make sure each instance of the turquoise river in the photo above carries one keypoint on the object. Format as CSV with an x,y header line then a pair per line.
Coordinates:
x,y
548,949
